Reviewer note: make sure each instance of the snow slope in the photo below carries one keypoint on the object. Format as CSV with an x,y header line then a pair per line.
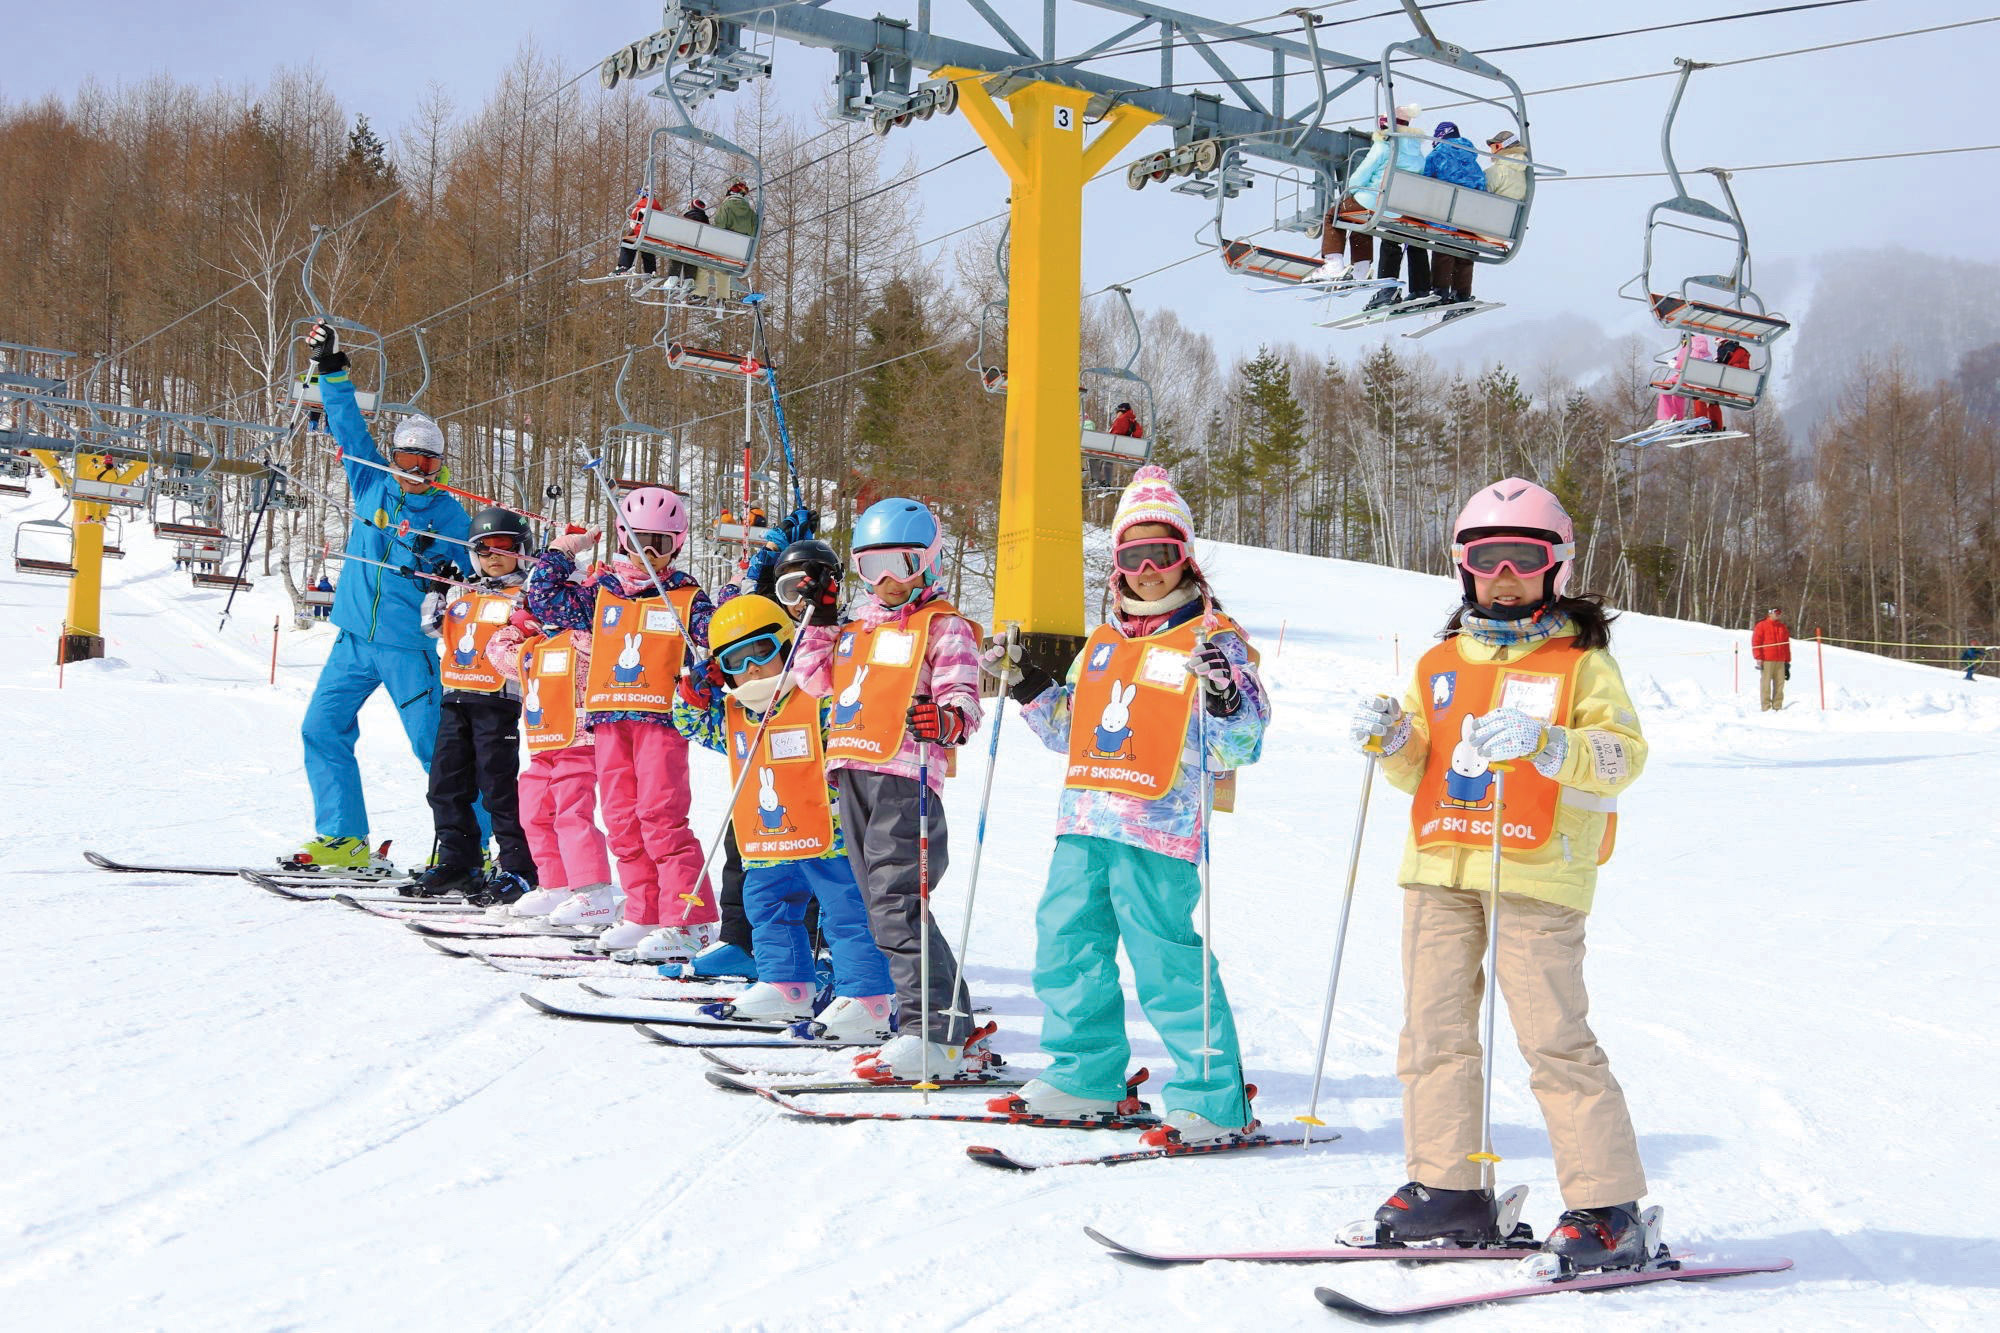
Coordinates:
x,y
226,1111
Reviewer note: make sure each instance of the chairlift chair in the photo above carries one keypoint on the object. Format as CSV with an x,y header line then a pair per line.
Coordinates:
x,y
1127,449
992,375
357,340
712,362
114,536
667,234
42,561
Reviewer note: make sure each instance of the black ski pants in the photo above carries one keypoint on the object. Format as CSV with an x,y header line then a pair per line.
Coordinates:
x,y
478,755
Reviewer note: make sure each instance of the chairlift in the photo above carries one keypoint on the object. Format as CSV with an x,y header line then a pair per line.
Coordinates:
x,y
712,362
1132,449
667,234
357,340
41,560
114,534
990,349
15,469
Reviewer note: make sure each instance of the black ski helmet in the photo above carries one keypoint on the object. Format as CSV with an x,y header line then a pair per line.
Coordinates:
x,y
496,522
811,556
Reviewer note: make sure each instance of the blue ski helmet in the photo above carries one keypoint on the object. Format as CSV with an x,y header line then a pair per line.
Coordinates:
x,y
900,523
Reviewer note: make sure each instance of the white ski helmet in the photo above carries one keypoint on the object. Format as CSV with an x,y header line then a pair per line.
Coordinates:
x,y
418,434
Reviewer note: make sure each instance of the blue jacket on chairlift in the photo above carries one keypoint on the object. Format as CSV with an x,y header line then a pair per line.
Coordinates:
x,y
1454,161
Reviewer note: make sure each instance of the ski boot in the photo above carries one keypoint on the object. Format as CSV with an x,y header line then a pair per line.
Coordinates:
x,y
670,943
1038,1098
499,889
1587,1240
848,1018
720,959
1188,1127
624,935
904,1058
538,902
1420,1214
767,1002
445,882
347,856
1388,296
593,907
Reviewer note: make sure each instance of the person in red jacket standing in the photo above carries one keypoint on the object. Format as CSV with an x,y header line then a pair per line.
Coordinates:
x,y
1771,648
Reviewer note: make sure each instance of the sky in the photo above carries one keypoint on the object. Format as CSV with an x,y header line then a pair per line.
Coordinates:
x,y
1560,293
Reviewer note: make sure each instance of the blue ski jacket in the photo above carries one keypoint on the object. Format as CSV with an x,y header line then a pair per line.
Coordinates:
x,y
1454,160
378,604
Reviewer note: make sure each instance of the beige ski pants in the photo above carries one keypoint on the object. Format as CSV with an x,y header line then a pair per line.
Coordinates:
x,y
1541,976
1771,684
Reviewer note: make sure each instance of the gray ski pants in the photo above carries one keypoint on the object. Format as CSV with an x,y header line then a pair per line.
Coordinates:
x,y
878,815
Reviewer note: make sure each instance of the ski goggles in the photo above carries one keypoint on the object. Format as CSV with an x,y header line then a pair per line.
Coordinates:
x,y
1525,556
499,543
1150,555
754,651
901,563
670,542
790,586
428,465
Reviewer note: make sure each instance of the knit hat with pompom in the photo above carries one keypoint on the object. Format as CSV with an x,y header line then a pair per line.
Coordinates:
x,y
1151,498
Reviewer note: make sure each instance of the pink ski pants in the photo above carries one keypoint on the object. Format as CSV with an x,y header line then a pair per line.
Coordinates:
x,y
559,814
642,781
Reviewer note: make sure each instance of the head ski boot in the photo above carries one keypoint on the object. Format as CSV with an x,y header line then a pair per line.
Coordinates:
x,y
1587,1239
1419,1213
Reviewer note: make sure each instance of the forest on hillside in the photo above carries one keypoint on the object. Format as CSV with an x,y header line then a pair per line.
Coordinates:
x,y
162,225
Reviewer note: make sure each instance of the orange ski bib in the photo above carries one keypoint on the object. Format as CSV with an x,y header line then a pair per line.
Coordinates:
x,y
636,651
469,621
1454,800
548,694
1128,719
783,811
875,672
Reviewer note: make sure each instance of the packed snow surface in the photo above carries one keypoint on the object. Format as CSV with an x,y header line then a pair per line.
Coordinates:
x,y
225,1110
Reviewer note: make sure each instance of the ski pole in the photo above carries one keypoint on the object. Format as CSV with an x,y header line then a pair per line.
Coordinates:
x,y
924,1086
1207,1050
343,456
1486,1157
978,846
1311,1117
243,565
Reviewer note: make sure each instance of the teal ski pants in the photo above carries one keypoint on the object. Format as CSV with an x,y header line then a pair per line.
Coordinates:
x,y
1100,892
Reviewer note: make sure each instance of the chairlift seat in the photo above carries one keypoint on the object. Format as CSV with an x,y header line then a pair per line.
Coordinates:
x,y
27,564
1260,261
13,488
1744,326
1439,215
709,361
1739,387
306,393
119,494
993,380
1117,448
189,531
218,580
699,243
316,597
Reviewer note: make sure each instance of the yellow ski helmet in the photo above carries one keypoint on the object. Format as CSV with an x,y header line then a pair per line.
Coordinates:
x,y
743,618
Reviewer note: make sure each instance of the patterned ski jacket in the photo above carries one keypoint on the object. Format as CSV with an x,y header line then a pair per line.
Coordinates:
x,y
557,600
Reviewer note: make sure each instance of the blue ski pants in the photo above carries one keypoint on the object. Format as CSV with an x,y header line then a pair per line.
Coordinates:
x,y
1100,892
354,670
774,900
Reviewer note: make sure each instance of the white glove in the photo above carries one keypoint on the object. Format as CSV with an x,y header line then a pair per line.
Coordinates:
x,y
575,543
1379,716
1508,733
1002,658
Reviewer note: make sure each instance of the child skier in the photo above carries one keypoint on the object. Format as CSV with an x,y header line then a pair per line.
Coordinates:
x,y
559,786
478,749
1162,696
639,643
1523,678
903,673
784,823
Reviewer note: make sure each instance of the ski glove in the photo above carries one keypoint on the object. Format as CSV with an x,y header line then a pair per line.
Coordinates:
x,y
1509,733
524,621
1379,717
822,599
939,724
1023,680
1788,671
802,524
761,573
1210,665
323,345
700,684
575,543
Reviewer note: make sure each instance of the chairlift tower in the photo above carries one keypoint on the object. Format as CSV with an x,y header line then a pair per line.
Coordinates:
x,y
1034,108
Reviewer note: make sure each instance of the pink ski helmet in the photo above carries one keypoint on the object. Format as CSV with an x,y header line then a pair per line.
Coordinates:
x,y
1516,505
654,511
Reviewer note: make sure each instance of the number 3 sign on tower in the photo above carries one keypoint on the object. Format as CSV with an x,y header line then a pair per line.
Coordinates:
x,y
1065,118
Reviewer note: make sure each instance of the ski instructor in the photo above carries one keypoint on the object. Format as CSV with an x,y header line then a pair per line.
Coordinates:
x,y
398,519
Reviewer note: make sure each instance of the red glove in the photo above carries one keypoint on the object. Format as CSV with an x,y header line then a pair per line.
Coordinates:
x,y
939,724
701,684
527,624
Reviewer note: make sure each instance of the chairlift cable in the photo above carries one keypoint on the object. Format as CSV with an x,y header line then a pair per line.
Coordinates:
x,y
1780,166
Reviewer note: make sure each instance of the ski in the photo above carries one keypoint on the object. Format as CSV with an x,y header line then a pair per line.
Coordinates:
x,y
706,1045
737,1083
1671,1270
374,891
1026,1121
1003,1161
1332,1254
684,996
526,950
497,929
633,1011
334,878
407,909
